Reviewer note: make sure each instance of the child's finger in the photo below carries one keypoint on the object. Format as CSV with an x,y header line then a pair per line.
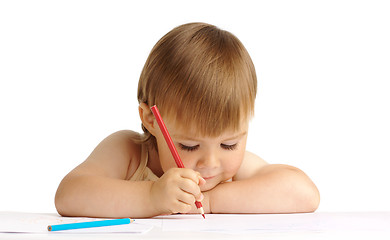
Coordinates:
x,y
186,198
189,186
191,180
181,207
202,181
191,174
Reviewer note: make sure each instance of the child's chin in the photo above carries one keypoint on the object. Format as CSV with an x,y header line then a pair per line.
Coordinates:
x,y
207,187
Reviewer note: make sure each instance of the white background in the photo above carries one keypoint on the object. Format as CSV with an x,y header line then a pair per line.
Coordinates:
x,y
69,72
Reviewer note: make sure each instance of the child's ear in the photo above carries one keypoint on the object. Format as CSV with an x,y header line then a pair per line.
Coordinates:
x,y
147,118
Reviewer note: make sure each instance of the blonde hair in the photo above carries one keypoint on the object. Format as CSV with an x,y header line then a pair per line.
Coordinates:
x,y
199,76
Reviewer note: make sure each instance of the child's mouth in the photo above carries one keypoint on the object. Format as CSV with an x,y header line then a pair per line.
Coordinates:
x,y
208,178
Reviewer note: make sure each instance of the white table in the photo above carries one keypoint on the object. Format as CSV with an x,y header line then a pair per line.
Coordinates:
x,y
320,225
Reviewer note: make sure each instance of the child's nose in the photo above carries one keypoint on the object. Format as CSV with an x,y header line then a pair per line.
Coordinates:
x,y
209,160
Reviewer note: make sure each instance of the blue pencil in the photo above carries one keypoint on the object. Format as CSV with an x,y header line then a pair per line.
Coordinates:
x,y
102,223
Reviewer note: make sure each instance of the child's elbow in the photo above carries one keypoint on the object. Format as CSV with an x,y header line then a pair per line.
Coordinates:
x,y
303,193
312,200
60,203
309,197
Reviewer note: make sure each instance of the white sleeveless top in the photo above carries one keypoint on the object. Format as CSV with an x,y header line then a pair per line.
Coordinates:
x,y
143,173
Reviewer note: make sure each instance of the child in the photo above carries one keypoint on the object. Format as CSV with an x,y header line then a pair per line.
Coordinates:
x,y
204,83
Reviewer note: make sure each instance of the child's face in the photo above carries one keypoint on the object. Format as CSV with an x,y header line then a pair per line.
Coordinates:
x,y
217,159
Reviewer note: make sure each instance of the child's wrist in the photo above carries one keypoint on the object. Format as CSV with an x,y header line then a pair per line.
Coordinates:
x,y
153,201
206,202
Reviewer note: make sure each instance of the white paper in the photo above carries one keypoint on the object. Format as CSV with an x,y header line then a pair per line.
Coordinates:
x,y
223,223
15,222
307,222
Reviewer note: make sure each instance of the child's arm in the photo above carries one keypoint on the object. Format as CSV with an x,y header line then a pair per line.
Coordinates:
x,y
97,187
263,188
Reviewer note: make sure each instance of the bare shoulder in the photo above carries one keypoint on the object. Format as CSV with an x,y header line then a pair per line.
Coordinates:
x,y
115,156
250,166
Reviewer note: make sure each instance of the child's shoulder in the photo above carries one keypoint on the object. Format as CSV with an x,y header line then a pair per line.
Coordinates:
x,y
249,166
118,154
126,136
124,140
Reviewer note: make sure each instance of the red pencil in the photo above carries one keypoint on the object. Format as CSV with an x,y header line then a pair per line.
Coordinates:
x,y
172,147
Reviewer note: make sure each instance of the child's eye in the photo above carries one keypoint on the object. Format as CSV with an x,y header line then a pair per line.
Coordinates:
x,y
188,148
229,147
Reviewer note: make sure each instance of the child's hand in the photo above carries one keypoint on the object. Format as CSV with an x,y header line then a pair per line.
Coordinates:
x,y
177,190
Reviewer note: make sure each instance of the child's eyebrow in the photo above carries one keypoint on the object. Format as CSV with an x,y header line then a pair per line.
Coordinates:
x,y
236,136
184,137
187,138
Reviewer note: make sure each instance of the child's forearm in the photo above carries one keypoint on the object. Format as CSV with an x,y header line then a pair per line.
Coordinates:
x,y
94,196
275,189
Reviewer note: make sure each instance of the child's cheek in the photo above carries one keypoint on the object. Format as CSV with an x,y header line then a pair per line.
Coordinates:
x,y
231,167
167,161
